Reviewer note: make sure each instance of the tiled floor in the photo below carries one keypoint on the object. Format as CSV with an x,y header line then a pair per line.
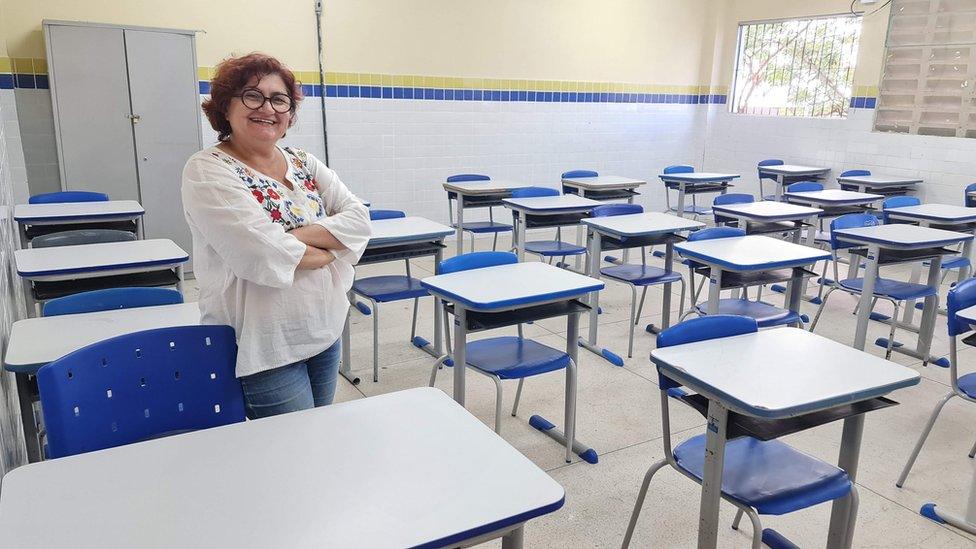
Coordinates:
x,y
619,415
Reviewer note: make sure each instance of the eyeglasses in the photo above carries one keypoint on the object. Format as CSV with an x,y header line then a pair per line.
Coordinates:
x,y
254,100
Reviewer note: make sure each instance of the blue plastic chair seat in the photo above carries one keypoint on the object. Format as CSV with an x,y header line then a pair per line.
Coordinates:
x,y
770,477
553,248
967,384
954,262
894,289
640,275
513,357
482,227
389,288
765,315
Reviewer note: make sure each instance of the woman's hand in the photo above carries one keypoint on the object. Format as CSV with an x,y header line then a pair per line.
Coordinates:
x,y
315,258
317,236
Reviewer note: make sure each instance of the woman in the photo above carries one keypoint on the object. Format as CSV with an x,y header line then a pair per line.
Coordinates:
x,y
275,237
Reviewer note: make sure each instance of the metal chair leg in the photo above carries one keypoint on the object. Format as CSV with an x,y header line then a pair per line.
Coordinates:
x,y
852,516
921,439
413,322
498,404
640,307
757,528
972,453
472,242
820,309
518,396
433,371
891,332
633,320
376,342
738,517
494,242
640,501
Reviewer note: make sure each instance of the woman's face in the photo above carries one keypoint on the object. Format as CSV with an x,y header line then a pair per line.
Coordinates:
x,y
262,126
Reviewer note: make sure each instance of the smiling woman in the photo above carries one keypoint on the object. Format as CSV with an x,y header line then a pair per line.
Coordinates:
x,y
275,237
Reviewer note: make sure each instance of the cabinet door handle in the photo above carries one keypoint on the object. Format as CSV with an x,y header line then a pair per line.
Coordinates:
x,y
135,118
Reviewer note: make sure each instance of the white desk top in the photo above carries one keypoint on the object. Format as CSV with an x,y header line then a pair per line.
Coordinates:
x,y
564,203
406,229
699,177
901,236
880,180
34,214
603,182
833,197
35,342
513,286
782,372
767,210
750,253
969,313
367,473
87,259
794,169
493,186
944,213
642,224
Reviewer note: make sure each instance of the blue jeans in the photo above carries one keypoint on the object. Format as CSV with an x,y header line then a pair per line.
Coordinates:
x,y
299,386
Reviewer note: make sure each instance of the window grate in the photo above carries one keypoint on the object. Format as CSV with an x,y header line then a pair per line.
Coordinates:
x,y
796,67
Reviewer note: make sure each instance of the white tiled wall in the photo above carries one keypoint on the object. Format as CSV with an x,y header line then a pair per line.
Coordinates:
x,y
37,135
736,143
12,452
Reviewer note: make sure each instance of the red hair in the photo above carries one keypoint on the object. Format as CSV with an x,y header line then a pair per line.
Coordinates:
x,y
230,78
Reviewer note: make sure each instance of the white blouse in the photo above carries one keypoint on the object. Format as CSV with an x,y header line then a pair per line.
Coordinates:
x,y
244,259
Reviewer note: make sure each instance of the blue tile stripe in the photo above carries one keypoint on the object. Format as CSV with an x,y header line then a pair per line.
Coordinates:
x,y
863,102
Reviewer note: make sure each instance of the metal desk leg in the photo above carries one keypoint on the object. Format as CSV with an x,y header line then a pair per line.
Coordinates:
x,y
681,198
965,523
520,238
714,288
27,419
711,496
594,247
140,231
867,292
929,312
579,242
22,229
967,252
437,350
459,232
29,302
666,307
780,183
850,450
514,539
460,347
345,368
179,275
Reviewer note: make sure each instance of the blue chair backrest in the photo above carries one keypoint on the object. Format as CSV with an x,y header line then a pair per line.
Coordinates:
x,y
804,186
532,192
81,236
385,214
849,221
900,202
462,177
855,173
731,198
607,210
67,196
579,173
679,169
768,162
961,296
970,201
476,260
716,232
701,329
140,386
112,298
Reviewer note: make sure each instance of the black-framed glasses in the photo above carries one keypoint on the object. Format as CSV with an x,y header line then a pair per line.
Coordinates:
x,y
254,100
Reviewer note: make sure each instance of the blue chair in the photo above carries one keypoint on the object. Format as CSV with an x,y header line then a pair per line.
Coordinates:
x,y
772,178
731,198
575,174
962,296
67,196
140,386
897,202
504,358
635,276
969,201
690,190
546,248
894,291
476,227
387,289
760,477
81,236
110,299
804,186
853,173
765,314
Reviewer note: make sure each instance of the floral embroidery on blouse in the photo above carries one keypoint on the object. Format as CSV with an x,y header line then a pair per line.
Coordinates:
x,y
291,209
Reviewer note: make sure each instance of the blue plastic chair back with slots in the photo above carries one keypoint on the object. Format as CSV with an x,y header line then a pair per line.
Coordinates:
x,y
111,299
700,329
680,168
970,201
853,173
716,232
608,210
572,174
81,236
771,177
849,221
385,214
961,296
68,196
140,386
533,192
805,186
463,177
476,260
897,202
731,198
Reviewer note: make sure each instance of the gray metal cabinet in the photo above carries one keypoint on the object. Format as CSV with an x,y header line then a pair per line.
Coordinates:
x,y
126,114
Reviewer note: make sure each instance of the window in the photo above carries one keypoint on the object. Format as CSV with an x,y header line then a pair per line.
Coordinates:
x,y
930,64
796,67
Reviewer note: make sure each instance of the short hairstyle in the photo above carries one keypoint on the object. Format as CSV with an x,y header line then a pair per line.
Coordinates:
x,y
232,75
